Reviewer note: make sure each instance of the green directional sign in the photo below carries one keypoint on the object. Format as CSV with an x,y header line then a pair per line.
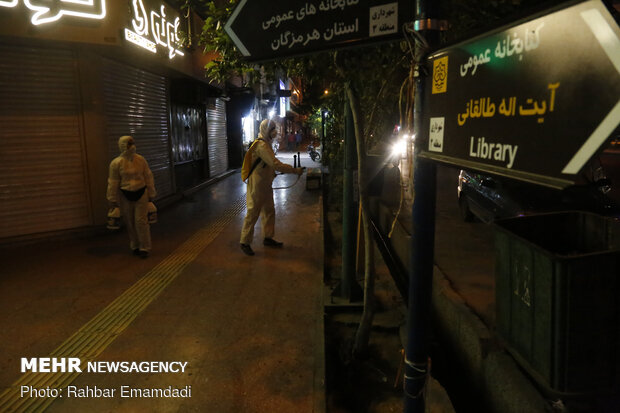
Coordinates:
x,y
535,100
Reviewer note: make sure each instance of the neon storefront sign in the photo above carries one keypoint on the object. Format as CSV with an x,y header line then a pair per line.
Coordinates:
x,y
153,29
47,11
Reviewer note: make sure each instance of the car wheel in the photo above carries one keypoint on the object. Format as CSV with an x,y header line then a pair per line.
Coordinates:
x,y
465,212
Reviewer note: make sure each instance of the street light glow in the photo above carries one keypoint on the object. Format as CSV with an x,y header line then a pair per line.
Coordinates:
x,y
399,149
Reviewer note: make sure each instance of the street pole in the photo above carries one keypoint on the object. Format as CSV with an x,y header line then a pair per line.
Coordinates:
x,y
348,285
322,134
423,236
322,125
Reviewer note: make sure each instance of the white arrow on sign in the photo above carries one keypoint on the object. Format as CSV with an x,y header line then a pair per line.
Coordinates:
x,y
611,45
231,33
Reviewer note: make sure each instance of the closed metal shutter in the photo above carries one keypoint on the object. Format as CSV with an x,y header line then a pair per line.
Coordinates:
x,y
188,133
136,104
42,174
216,138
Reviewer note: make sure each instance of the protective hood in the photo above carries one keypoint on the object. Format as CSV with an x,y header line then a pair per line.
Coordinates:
x,y
266,127
123,143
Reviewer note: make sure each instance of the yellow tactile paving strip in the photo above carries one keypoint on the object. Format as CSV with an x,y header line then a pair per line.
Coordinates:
x,y
93,338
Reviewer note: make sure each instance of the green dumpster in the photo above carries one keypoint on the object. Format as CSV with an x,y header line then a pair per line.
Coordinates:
x,y
556,293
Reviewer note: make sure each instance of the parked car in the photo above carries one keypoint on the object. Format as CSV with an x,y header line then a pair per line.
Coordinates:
x,y
489,198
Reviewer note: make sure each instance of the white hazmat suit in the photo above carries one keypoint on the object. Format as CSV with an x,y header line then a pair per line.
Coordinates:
x,y
259,196
131,186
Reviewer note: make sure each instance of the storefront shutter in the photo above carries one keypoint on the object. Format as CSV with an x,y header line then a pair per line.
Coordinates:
x,y
136,104
217,138
42,174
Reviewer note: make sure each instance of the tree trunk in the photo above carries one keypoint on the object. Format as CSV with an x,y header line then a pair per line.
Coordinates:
x,y
362,336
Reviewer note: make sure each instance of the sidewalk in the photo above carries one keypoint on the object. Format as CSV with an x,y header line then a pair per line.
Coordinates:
x,y
249,328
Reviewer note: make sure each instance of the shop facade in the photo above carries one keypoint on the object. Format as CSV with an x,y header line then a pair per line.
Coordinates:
x,y
75,78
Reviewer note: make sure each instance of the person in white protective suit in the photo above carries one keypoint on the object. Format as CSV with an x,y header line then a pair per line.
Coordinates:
x,y
259,196
131,186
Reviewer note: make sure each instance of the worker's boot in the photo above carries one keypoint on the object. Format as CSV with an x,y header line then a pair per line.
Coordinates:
x,y
270,242
247,250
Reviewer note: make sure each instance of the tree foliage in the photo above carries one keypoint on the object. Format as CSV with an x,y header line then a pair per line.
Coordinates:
x,y
467,18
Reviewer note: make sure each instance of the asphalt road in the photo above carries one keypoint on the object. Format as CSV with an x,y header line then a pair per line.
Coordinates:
x,y
464,251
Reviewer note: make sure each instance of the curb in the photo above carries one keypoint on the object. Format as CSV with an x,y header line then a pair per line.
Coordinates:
x,y
497,379
320,401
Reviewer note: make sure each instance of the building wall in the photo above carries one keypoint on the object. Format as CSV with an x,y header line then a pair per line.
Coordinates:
x,y
95,44
42,179
106,33
94,121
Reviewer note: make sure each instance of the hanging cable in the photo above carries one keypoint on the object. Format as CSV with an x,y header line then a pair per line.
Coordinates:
x,y
189,24
284,187
417,46
290,186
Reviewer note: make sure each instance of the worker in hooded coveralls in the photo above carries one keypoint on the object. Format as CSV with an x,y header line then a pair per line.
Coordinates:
x,y
131,186
260,193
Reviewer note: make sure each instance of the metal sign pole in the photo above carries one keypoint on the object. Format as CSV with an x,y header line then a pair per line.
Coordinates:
x,y
422,247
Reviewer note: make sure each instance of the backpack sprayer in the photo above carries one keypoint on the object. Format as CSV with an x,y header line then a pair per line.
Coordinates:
x,y
248,166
